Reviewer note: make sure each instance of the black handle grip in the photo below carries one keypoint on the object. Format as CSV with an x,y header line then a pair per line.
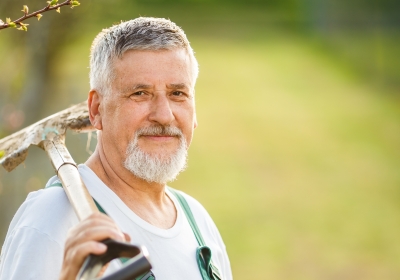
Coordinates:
x,y
136,266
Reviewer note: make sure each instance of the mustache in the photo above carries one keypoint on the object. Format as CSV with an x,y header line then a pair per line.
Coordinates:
x,y
159,130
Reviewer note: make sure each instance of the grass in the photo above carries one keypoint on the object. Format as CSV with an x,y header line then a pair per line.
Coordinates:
x,y
296,156
296,159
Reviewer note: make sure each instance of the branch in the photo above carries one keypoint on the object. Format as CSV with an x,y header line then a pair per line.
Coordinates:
x,y
51,5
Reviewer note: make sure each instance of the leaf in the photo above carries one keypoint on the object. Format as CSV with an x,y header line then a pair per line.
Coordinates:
x,y
58,10
74,4
2,154
23,27
10,23
25,9
39,16
52,2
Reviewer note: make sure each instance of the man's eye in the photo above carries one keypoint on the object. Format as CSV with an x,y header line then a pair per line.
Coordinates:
x,y
177,93
138,93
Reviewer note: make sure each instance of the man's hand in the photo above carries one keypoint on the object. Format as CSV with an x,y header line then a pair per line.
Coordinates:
x,y
84,239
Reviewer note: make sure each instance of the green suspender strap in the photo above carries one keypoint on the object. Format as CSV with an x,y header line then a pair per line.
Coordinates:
x,y
207,269
58,184
203,253
148,275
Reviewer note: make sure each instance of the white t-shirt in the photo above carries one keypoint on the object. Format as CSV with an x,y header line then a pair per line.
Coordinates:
x,y
34,244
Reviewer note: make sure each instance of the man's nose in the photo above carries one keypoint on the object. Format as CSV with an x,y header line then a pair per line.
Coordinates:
x,y
161,111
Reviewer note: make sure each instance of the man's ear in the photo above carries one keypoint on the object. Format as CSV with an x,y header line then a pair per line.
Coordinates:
x,y
195,114
195,121
94,103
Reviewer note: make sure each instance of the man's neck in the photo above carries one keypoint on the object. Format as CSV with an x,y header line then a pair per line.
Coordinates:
x,y
148,200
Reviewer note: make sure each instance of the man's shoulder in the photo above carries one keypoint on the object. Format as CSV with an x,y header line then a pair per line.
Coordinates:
x,y
201,215
39,227
209,232
46,210
192,202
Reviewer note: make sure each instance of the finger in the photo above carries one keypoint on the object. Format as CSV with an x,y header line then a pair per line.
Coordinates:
x,y
127,237
74,258
93,220
98,233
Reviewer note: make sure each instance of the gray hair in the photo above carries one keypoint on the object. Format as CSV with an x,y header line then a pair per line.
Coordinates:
x,y
143,33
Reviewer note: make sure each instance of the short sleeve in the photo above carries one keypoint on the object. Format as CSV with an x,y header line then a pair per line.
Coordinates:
x,y
29,254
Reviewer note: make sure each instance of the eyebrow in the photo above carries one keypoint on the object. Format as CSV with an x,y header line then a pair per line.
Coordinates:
x,y
136,87
145,86
178,86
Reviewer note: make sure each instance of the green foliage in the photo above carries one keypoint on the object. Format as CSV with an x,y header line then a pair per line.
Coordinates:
x,y
51,5
296,159
296,154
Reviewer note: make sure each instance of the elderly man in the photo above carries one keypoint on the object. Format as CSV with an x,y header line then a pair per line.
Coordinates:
x,y
142,78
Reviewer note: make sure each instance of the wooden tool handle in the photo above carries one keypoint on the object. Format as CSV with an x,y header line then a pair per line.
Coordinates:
x,y
76,191
68,173
84,206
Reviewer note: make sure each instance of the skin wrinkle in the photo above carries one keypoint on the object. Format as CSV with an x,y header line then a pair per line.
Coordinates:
x,y
176,60
139,34
111,62
163,62
137,87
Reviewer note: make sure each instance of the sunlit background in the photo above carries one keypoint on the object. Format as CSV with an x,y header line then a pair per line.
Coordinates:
x,y
297,153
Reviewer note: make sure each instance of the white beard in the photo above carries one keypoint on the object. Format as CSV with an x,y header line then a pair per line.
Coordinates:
x,y
160,168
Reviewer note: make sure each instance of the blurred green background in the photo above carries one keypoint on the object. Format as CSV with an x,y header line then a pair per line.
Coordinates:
x,y
297,153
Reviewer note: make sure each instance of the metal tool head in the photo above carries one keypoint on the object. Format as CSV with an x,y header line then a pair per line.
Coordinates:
x,y
14,148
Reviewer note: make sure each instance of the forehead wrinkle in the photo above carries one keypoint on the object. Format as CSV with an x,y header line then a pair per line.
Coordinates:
x,y
178,86
136,87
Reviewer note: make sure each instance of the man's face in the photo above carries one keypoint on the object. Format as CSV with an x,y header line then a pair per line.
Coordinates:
x,y
150,88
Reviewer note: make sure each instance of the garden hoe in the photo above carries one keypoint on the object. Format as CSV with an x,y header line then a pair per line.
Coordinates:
x,y
49,134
